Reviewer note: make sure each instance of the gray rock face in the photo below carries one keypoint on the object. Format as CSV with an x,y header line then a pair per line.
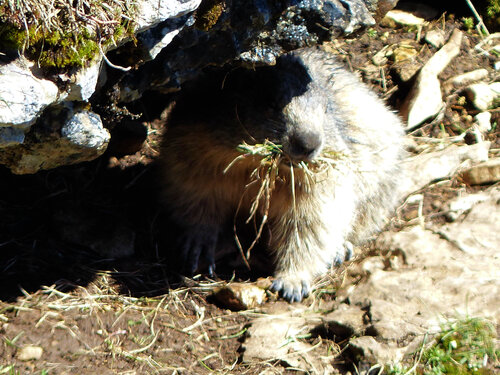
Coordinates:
x,y
174,40
23,96
81,137
84,129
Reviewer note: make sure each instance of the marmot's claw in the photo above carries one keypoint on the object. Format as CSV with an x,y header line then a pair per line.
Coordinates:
x,y
197,243
292,291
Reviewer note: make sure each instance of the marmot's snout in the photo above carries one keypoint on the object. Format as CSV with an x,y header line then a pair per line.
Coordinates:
x,y
303,146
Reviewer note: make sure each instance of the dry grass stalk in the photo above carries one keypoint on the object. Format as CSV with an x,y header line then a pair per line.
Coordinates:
x,y
272,158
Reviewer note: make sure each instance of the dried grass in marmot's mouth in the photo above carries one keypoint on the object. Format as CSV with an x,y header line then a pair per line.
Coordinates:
x,y
272,158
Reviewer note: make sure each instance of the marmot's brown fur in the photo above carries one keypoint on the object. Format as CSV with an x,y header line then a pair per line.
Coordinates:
x,y
307,103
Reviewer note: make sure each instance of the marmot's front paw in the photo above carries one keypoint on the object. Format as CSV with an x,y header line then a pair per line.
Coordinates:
x,y
293,289
195,243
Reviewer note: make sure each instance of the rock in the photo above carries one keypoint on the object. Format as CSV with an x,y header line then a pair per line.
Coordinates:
x,y
380,58
275,338
240,296
156,39
11,136
399,17
248,34
439,164
425,99
22,95
483,122
404,51
345,322
82,84
406,69
484,96
450,272
476,234
71,137
173,42
469,77
29,353
484,173
481,126
463,204
84,130
435,38
152,12
374,352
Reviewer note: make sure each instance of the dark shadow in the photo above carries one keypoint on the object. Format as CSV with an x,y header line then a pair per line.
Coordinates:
x,y
64,226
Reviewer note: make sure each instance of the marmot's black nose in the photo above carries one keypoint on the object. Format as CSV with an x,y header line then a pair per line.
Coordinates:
x,y
305,146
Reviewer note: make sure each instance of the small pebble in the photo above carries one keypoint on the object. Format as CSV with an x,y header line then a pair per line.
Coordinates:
x,y
30,353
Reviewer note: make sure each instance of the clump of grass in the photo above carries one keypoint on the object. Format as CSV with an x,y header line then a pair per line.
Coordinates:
x,y
61,34
466,346
265,175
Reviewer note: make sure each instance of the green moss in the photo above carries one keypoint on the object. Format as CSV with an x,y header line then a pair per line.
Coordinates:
x,y
69,43
50,50
208,14
493,14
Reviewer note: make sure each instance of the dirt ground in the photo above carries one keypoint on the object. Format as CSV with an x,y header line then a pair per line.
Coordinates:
x,y
84,267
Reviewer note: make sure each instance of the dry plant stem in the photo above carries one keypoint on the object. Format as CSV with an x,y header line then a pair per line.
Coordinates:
x,y
478,17
265,174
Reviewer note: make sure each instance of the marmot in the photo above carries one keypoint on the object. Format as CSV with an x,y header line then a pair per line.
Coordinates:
x,y
307,103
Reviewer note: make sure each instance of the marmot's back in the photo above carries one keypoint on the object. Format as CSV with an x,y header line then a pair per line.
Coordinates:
x,y
310,106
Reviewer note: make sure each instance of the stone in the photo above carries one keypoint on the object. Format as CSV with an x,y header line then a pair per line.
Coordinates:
x,y
476,235
10,136
469,77
441,279
435,37
380,58
345,321
483,122
22,95
274,337
439,164
399,17
419,9
373,351
152,12
463,204
484,173
404,51
81,137
406,69
84,129
481,126
484,96
449,272
425,98
240,296
171,44
154,40
30,353
82,84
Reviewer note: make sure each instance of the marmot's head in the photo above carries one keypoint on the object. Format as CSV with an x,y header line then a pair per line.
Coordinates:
x,y
285,106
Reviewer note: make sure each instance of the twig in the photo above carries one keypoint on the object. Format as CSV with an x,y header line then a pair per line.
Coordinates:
x,y
478,17
123,69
